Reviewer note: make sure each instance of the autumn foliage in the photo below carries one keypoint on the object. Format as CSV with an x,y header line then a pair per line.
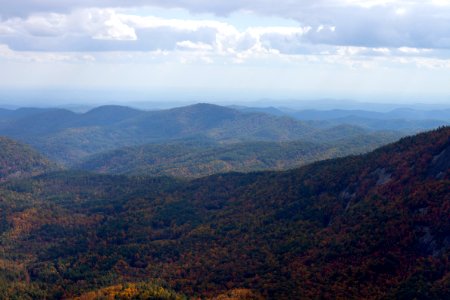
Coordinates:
x,y
372,226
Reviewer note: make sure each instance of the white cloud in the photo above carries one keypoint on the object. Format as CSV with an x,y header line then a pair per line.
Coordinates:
x,y
7,54
328,37
103,24
106,30
363,23
5,30
194,46
335,45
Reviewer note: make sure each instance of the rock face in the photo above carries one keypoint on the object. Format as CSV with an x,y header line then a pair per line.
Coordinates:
x,y
440,164
383,177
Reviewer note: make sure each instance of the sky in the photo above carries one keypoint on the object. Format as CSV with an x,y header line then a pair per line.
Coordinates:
x,y
377,50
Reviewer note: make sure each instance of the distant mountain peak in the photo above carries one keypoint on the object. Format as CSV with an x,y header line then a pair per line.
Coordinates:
x,y
205,107
111,109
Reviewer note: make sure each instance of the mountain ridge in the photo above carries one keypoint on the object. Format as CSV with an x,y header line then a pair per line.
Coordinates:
x,y
19,160
371,226
66,137
191,160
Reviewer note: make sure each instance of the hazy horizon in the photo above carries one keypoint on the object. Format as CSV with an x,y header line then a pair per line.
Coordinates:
x,y
85,99
391,51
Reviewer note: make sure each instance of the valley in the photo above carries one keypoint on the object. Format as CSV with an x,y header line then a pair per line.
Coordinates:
x,y
202,216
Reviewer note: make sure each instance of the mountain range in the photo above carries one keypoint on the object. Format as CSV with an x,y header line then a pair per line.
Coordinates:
x,y
400,119
66,137
368,226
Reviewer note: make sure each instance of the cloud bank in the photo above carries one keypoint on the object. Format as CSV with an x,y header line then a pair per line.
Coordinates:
x,y
352,39
369,23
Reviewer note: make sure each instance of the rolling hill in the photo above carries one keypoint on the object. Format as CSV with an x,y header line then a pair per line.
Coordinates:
x,y
396,114
372,226
401,119
67,137
19,160
197,159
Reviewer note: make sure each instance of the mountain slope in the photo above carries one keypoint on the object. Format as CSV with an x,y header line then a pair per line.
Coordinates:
x,y
214,122
388,124
402,119
66,137
372,226
38,123
396,114
106,115
196,159
18,160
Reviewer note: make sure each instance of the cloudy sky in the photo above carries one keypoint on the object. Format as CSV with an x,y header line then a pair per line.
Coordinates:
x,y
357,49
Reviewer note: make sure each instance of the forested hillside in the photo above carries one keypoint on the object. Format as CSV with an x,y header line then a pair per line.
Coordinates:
x,y
19,160
66,137
196,158
402,119
371,226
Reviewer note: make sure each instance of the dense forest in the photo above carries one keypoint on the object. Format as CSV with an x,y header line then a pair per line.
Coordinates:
x,y
196,159
18,160
369,226
67,137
